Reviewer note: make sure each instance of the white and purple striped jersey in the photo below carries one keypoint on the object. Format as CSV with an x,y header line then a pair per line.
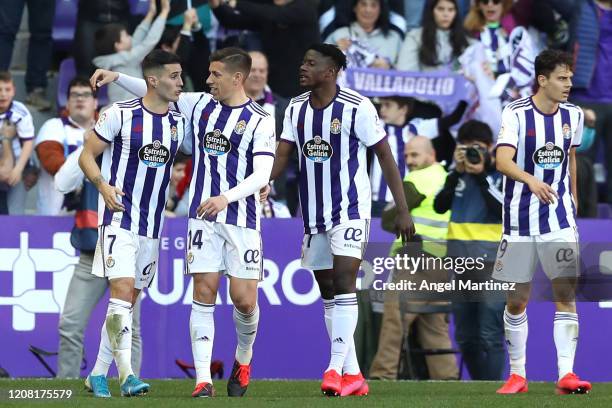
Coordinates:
x,y
332,142
542,144
398,136
20,116
225,139
139,161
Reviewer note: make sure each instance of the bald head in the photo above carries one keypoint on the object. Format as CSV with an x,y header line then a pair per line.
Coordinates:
x,y
258,77
419,153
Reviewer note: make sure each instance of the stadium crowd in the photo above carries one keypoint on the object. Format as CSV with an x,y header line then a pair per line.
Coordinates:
x,y
491,43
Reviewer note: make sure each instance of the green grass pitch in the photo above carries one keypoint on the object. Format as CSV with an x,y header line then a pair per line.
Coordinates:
x,y
293,394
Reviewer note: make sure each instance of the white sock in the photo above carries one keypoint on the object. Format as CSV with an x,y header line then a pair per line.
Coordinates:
x,y
202,329
246,331
344,322
565,332
119,327
105,354
351,365
516,329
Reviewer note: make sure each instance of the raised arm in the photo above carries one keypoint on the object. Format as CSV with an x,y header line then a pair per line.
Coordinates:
x,y
102,77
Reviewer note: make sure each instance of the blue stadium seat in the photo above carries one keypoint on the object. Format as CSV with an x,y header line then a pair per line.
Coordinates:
x,y
67,71
64,24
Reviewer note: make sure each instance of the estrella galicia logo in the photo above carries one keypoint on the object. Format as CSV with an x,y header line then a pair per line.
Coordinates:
x,y
251,256
565,255
317,150
154,154
549,156
353,234
216,143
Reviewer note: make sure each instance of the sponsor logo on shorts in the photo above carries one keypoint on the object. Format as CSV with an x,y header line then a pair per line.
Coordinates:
x,y
216,143
154,154
565,255
147,269
317,150
548,156
251,256
353,234
110,262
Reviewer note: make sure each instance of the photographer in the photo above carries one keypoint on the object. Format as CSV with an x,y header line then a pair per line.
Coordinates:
x,y
471,192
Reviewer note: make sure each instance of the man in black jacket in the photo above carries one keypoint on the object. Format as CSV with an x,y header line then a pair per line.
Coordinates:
x,y
287,29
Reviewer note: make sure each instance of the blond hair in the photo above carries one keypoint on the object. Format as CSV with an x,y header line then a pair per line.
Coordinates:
x,y
475,20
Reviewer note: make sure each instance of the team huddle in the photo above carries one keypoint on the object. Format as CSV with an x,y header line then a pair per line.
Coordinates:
x,y
235,155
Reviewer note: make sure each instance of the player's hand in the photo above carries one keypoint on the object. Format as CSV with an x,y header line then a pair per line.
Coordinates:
x,y
264,193
102,77
8,130
404,226
545,193
212,206
459,158
109,194
14,176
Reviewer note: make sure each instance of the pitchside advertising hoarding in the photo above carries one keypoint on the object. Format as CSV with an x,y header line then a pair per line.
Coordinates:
x,y
37,262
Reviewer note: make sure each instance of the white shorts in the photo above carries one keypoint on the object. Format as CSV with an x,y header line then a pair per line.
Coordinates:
x,y
218,247
558,251
347,239
124,254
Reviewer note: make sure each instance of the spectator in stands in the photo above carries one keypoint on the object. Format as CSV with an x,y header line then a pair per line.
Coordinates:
x,y
492,22
178,201
191,45
368,41
472,194
40,46
287,29
58,137
7,132
425,179
256,85
121,52
22,176
91,16
85,290
591,31
334,14
438,43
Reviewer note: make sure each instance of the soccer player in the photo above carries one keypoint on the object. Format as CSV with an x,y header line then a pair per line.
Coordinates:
x,y
332,127
139,138
536,153
233,147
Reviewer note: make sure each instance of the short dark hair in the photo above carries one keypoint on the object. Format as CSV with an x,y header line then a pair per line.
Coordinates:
x,y
400,100
157,59
181,158
475,131
78,81
169,36
236,59
331,51
548,60
106,37
6,76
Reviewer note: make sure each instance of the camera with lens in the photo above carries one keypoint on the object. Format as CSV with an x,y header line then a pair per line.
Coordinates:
x,y
475,153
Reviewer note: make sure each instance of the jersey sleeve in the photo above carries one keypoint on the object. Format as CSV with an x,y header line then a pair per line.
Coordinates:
x,y
264,138
368,126
577,137
288,135
188,100
51,131
108,124
508,133
25,127
187,145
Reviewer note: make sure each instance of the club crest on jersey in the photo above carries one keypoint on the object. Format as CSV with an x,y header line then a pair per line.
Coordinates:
x,y
174,133
335,127
216,144
154,154
317,150
240,127
548,156
567,131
